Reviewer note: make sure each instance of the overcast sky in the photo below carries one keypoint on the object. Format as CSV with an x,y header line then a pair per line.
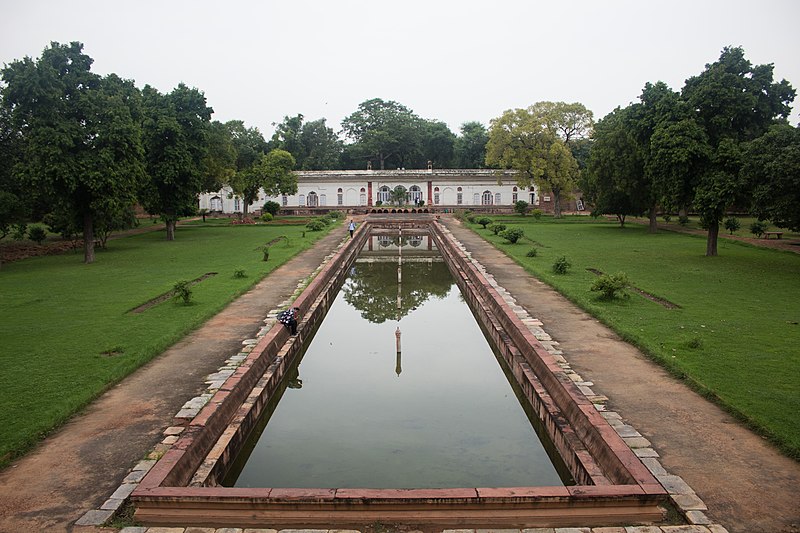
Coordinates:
x,y
451,60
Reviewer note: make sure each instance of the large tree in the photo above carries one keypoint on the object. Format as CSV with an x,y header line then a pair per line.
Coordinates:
x,y
249,147
615,182
13,195
733,102
470,146
321,146
772,171
176,132
80,137
437,144
533,142
383,131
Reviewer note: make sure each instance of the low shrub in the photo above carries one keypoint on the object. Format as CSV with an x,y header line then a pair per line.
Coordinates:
x,y
267,217
732,224
512,235
183,291
608,285
239,273
758,228
533,252
271,207
683,220
562,265
484,221
536,214
316,225
497,228
37,234
667,217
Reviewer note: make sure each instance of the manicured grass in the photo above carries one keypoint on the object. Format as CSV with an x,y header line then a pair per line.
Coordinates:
x,y
67,331
735,336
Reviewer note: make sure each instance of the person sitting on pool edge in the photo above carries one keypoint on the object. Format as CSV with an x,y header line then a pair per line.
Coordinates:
x,y
289,319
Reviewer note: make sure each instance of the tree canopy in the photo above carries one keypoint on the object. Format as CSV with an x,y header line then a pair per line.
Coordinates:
x,y
535,143
80,143
176,131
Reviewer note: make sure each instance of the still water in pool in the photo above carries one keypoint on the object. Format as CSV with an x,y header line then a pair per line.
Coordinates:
x,y
356,413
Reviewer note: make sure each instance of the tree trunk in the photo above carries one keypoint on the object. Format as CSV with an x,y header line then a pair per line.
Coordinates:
x,y
88,239
653,219
171,230
382,160
711,243
621,219
556,203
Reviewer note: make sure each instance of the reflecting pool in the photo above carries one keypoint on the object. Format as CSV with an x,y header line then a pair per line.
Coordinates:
x,y
398,389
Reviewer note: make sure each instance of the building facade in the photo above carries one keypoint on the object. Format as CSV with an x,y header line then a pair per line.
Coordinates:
x,y
369,189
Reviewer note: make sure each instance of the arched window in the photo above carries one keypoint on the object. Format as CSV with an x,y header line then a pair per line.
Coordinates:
x,y
497,198
312,200
514,196
414,194
216,203
284,200
486,198
323,200
384,193
301,200
340,197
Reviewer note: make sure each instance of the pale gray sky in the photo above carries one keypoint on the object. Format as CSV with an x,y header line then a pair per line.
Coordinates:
x,y
452,60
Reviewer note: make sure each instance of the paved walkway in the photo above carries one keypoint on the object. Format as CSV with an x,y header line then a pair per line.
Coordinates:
x,y
747,485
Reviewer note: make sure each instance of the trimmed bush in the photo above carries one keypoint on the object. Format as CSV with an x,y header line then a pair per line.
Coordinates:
x,y
497,228
267,217
484,221
562,265
521,207
37,234
316,225
536,214
271,207
732,224
758,228
608,285
512,235
533,252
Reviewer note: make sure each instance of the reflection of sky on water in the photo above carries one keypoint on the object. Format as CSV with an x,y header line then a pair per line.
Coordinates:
x,y
449,420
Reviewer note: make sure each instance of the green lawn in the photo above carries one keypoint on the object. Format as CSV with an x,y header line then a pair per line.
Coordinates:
x,y
735,336
59,318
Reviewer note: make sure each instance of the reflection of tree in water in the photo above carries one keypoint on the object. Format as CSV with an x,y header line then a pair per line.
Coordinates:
x,y
372,288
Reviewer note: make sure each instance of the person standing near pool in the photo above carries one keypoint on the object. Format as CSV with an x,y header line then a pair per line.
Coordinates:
x,y
351,227
289,319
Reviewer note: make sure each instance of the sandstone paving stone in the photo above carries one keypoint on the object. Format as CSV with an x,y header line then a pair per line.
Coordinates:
x,y
716,528
684,529
133,529
172,439
356,531
166,530
612,415
95,517
697,517
573,530
123,491
642,529
144,464
112,504
539,530
654,466
173,430
608,530
200,530
674,484
229,530
497,531
689,502
645,452
626,431
458,531
303,531
261,530
637,442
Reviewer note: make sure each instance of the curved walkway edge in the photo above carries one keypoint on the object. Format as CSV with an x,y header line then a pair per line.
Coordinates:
x,y
746,483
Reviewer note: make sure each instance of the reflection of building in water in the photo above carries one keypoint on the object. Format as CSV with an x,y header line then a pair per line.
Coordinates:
x,y
398,363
